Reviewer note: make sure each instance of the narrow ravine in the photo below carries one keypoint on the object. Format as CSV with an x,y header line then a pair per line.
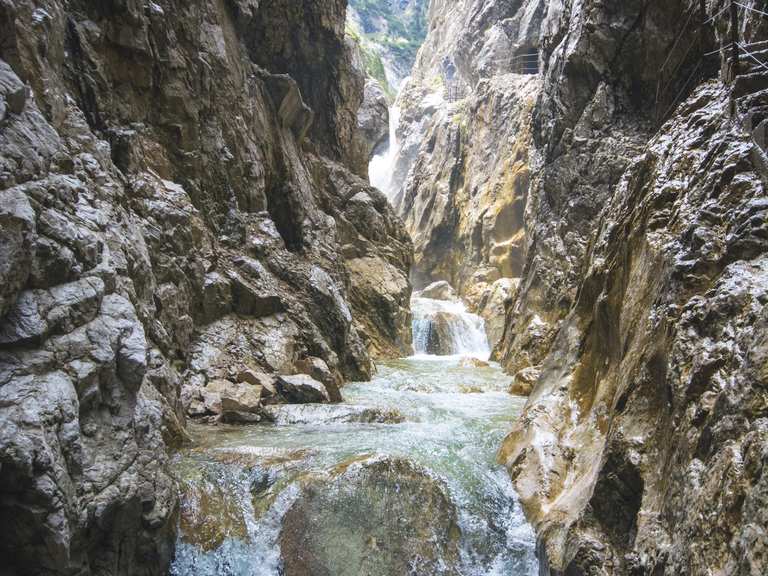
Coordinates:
x,y
444,415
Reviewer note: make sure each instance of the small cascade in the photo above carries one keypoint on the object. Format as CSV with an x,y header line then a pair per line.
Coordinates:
x,y
381,167
446,328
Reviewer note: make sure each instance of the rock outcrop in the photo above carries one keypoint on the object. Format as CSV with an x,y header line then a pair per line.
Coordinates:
x,y
369,504
632,252
463,168
179,202
640,311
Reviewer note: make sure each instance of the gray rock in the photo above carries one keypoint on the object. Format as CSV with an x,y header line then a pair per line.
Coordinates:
x,y
367,503
17,227
154,233
301,389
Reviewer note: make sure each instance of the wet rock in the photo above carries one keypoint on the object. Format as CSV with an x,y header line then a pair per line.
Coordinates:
x,y
490,301
210,513
370,506
331,414
439,339
301,389
524,381
655,362
473,363
440,290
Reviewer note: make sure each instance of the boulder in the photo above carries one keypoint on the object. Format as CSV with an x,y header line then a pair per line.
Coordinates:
x,y
210,512
301,389
440,290
524,382
440,335
318,369
377,517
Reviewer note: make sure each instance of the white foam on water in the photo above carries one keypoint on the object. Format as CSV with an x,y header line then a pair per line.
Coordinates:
x,y
465,330
382,165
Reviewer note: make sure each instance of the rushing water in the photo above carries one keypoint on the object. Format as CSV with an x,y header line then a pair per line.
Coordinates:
x,y
447,416
445,328
381,166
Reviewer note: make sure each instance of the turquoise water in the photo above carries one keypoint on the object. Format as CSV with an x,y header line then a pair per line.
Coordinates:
x,y
453,421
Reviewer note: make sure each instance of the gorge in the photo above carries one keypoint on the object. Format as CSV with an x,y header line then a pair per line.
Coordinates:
x,y
428,287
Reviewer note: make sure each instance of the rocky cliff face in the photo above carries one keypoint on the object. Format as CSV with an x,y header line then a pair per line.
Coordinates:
x,y
179,204
634,251
641,306
463,168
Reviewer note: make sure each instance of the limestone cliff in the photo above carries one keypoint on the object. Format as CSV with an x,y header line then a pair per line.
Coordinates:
x,y
179,203
622,192
463,169
642,303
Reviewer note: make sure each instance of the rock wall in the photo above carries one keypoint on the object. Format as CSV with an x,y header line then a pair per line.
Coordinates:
x,y
179,204
463,168
629,229
641,307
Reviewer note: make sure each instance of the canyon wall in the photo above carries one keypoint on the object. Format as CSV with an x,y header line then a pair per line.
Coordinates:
x,y
619,197
463,168
180,205
642,304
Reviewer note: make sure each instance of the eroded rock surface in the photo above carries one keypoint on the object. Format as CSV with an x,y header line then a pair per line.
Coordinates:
x,y
631,245
178,204
639,314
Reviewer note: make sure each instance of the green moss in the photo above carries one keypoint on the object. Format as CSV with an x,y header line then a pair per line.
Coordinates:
x,y
401,32
372,63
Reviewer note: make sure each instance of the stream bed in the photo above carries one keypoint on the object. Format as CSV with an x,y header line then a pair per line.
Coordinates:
x,y
399,479
437,413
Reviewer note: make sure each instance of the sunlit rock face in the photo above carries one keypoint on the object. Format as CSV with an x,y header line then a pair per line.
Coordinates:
x,y
462,171
641,310
179,203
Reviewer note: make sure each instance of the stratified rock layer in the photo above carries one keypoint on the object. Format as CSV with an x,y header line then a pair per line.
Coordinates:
x,y
176,204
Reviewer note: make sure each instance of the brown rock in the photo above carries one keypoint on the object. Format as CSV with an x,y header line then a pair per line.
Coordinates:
x,y
524,382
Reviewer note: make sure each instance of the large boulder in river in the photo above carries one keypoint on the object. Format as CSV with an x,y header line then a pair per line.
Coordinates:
x,y
439,333
377,517
302,389
440,290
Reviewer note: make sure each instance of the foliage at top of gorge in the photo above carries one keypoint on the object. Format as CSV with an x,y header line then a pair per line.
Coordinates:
x,y
389,33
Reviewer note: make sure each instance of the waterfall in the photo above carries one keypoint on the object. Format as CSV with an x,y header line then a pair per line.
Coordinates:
x,y
445,328
381,167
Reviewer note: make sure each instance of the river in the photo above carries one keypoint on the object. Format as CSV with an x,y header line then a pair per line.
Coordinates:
x,y
445,415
